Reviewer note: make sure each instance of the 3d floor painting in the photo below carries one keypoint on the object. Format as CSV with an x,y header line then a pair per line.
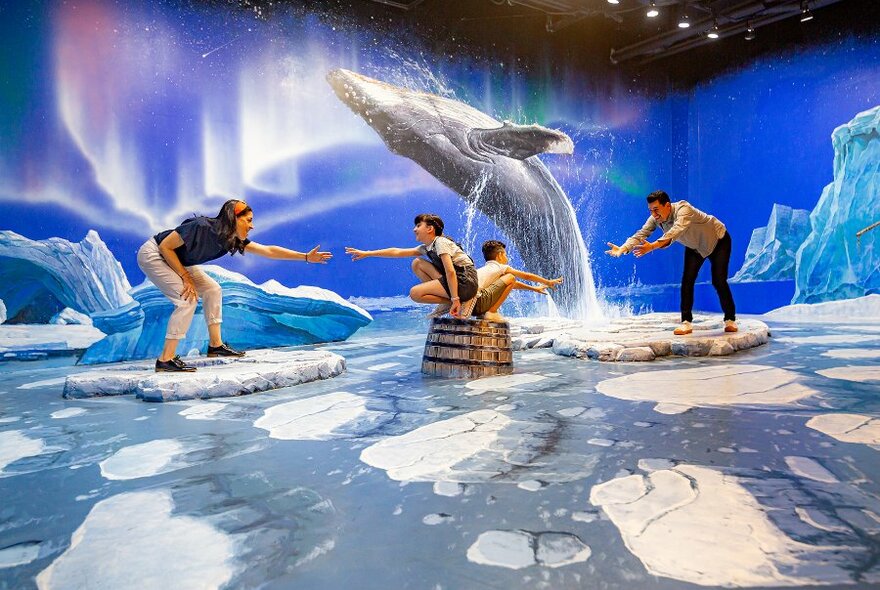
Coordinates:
x,y
572,442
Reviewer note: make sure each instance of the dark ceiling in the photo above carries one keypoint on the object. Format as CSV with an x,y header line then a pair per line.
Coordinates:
x,y
597,36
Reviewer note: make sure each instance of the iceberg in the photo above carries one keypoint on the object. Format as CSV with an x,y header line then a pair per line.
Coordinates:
x,y
81,291
833,263
39,278
254,316
68,316
772,249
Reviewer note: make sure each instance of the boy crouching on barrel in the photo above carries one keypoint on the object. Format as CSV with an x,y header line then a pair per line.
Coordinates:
x,y
497,279
448,277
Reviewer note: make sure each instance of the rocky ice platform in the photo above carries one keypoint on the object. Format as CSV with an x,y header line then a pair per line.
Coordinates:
x,y
260,370
636,338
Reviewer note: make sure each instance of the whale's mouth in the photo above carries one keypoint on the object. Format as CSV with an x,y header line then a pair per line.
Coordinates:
x,y
362,94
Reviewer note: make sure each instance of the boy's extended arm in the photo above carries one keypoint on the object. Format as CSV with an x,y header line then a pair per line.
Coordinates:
x,y
526,287
527,276
382,253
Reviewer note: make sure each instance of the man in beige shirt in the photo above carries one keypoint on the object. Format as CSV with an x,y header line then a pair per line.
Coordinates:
x,y
702,235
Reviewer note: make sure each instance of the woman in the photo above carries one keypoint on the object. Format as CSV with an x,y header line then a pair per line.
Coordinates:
x,y
169,260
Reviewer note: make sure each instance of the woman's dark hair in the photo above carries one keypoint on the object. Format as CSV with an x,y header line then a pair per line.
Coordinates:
x,y
432,220
659,196
226,225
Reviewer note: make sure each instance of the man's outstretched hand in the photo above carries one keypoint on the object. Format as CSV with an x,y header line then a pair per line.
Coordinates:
x,y
615,250
644,248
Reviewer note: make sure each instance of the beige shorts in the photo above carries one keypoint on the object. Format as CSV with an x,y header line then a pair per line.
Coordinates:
x,y
488,296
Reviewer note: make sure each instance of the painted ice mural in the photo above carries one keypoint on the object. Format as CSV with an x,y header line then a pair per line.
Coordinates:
x,y
39,279
72,285
833,263
772,248
254,316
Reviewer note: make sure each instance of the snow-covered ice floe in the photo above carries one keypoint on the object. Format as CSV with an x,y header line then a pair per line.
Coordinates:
x,y
483,445
859,374
844,311
323,417
518,549
260,370
850,428
150,458
15,445
27,341
677,390
636,338
704,526
151,548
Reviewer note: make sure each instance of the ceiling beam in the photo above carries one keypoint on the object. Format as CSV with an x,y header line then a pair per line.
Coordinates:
x,y
731,21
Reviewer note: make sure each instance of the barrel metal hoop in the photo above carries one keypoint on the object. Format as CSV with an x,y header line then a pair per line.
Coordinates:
x,y
467,362
469,346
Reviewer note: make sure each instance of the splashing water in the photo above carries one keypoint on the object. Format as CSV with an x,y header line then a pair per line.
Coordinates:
x,y
469,241
552,310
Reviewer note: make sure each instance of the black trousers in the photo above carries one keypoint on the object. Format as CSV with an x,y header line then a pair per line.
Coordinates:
x,y
720,259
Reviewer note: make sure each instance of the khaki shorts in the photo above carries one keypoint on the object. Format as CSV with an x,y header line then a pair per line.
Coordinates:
x,y
488,296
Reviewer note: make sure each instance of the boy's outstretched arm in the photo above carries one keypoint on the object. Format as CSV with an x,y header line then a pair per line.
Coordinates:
x,y
382,253
542,289
527,276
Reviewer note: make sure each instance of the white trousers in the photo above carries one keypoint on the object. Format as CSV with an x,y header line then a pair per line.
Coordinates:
x,y
169,282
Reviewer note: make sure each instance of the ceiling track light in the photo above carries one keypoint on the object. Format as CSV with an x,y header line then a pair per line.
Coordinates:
x,y
750,33
652,10
713,32
613,1
806,14
684,22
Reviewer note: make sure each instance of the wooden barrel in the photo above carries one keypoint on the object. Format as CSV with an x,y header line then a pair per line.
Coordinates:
x,y
467,348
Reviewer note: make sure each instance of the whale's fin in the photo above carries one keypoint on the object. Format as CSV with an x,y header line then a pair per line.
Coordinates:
x,y
519,141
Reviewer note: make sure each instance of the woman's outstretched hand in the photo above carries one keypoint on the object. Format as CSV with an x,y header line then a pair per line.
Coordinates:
x,y
316,257
355,253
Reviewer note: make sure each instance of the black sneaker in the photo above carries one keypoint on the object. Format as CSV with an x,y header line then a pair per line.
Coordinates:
x,y
175,365
223,350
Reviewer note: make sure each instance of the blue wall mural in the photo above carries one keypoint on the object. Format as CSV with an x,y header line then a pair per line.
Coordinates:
x,y
128,119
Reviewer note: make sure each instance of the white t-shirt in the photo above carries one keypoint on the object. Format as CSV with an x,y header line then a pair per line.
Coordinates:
x,y
443,245
488,274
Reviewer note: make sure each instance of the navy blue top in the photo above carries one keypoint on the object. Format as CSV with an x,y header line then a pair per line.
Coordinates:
x,y
201,242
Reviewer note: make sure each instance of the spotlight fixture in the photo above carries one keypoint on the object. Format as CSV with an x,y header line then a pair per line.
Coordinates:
x,y
684,22
750,33
713,32
652,10
613,1
805,12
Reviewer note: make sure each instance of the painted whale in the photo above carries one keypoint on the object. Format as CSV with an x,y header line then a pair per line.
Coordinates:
x,y
494,167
